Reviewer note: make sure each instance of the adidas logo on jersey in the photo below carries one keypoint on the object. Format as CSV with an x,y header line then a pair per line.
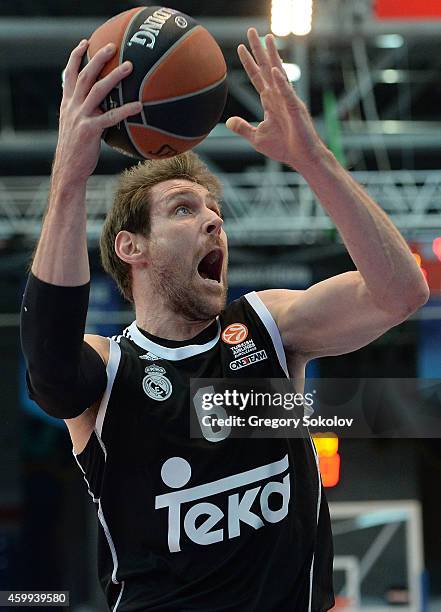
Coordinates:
x,y
182,511
149,356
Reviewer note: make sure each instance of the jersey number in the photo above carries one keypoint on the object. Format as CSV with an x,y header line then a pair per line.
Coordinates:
x,y
212,434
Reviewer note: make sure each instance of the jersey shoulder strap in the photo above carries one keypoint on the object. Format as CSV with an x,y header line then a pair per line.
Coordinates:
x,y
248,316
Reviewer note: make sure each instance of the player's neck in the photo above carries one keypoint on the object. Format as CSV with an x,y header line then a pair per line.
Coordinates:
x,y
169,325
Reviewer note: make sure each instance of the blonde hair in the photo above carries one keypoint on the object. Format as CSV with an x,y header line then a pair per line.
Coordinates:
x,y
130,209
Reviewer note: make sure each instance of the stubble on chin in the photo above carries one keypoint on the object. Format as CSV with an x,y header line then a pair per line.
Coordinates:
x,y
180,293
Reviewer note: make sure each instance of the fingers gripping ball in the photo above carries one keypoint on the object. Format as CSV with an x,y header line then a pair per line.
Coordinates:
x,y
179,74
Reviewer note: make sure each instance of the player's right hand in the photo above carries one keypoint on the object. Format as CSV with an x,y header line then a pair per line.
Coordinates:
x,y
82,121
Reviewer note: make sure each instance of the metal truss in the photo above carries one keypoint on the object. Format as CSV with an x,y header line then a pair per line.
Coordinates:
x,y
260,207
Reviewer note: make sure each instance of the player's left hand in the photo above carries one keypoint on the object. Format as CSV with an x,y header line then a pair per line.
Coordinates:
x,y
287,133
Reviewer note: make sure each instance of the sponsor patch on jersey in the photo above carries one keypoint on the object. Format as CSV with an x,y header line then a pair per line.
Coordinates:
x,y
156,385
149,356
243,362
243,348
204,522
235,333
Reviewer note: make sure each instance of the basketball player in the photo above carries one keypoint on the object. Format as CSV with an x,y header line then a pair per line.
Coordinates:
x,y
214,523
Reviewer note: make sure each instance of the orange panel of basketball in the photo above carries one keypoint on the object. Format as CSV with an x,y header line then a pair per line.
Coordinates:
x,y
175,75
111,31
151,142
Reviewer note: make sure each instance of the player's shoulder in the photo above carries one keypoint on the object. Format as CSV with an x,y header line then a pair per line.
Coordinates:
x,y
256,300
100,344
241,306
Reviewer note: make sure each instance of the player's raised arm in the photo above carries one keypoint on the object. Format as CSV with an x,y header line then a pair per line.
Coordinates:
x,y
65,374
350,310
61,257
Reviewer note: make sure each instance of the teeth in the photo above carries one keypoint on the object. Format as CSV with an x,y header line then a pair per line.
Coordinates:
x,y
206,277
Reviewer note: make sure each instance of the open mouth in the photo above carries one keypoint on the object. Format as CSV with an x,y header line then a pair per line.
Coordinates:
x,y
210,267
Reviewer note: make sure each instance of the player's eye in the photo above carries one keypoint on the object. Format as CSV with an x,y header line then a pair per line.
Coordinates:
x,y
182,211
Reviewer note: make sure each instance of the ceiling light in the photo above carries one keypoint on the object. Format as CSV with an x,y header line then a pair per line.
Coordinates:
x,y
389,41
291,16
293,72
281,16
302,17
391,76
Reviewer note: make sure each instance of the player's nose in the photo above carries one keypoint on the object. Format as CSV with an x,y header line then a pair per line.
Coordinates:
x,y
213,223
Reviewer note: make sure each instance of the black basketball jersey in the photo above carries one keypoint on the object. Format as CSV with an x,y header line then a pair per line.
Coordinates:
x,y
203,524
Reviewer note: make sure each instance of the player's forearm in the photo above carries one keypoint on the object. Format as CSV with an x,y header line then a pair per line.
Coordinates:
x,y
380,253
61,257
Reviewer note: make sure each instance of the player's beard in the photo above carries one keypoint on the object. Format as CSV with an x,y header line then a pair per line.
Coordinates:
x,y
182,292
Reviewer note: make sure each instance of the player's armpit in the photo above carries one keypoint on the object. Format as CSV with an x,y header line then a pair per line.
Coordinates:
x,y
81,427
333,317
100,344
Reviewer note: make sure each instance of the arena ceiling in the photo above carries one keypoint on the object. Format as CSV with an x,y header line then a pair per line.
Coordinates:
x,y
54,8
387,97
387,100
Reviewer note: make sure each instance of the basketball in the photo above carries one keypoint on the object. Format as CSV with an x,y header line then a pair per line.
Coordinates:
x,y
179,75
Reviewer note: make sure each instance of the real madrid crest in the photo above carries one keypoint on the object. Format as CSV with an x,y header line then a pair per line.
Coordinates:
x,y
155,384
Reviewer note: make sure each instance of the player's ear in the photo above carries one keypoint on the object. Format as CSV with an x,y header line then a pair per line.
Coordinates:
x,y
129,247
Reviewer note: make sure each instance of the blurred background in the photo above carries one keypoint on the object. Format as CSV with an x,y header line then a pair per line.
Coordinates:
x,y
369,72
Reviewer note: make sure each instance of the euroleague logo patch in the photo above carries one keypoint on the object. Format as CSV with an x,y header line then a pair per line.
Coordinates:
x,y
235,333
156,385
